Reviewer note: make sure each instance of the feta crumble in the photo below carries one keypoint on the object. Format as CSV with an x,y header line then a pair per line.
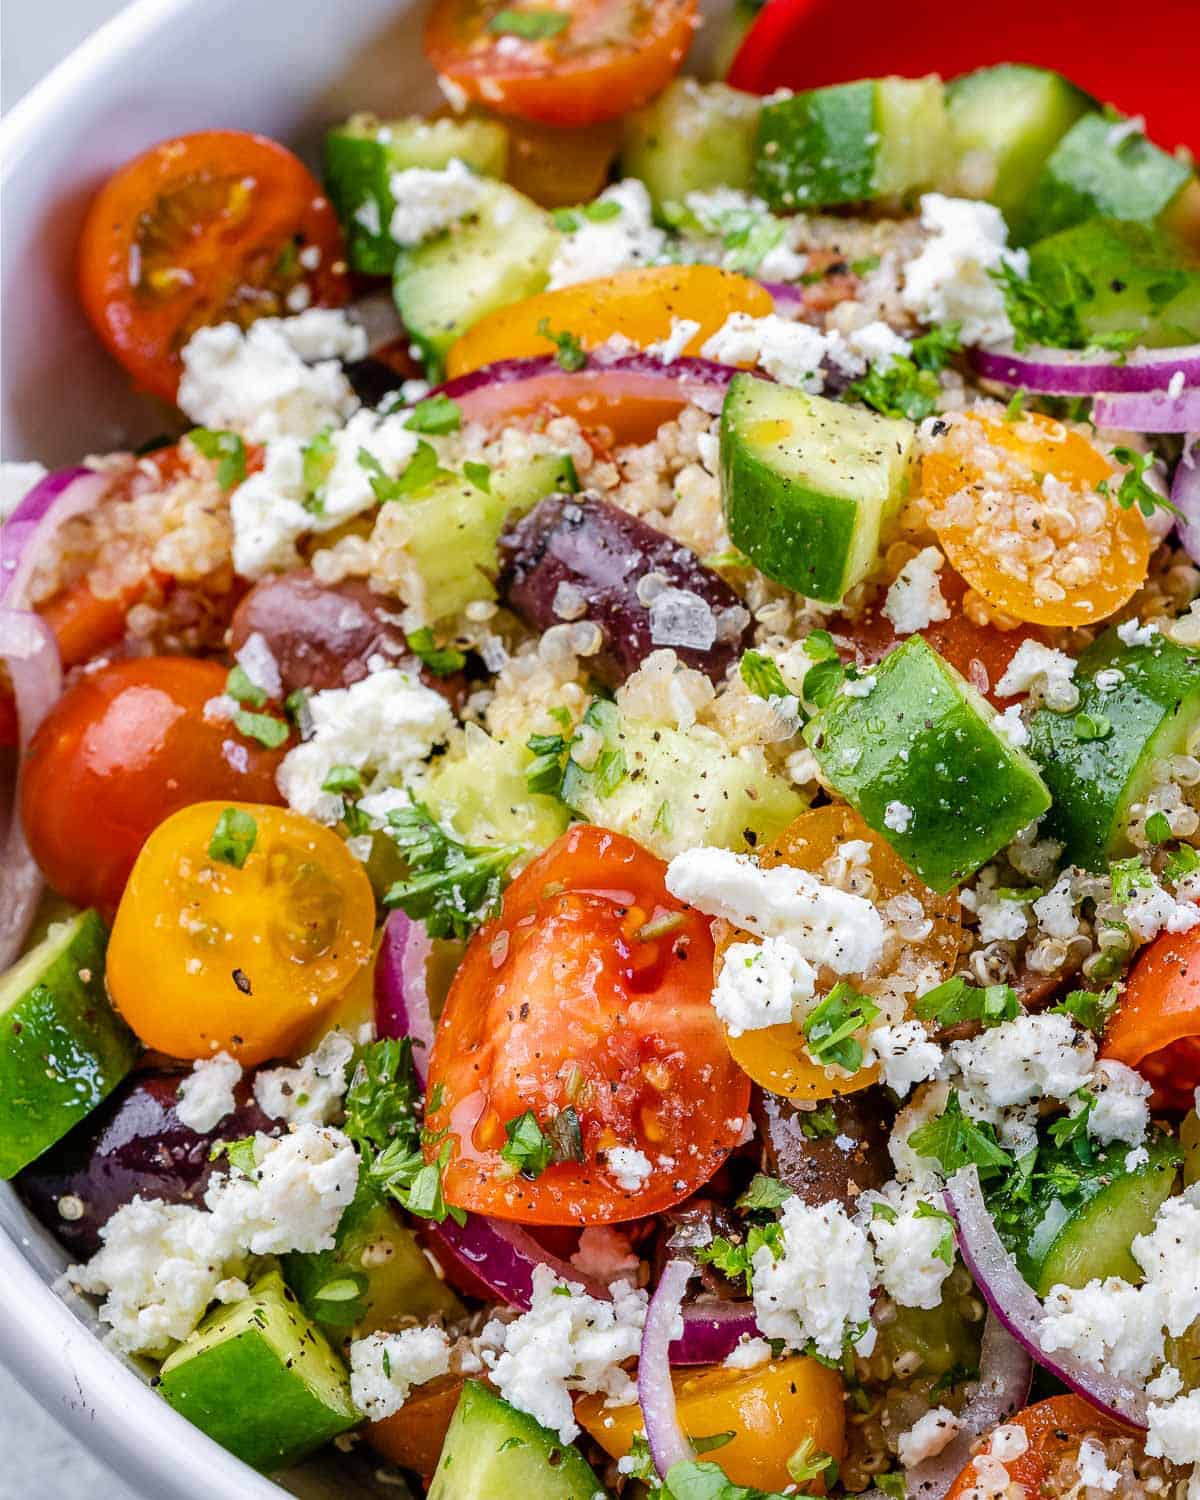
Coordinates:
x,y
1036,665
601,247
792,352
909,1243
1023,1061
628,1167
385,1367
897,816
1094,1472
205,1096
928,1436
949,281
820,1287
429,201
1122,1108
906,1054
760,985
747,1354
915,599
683,331
311,1092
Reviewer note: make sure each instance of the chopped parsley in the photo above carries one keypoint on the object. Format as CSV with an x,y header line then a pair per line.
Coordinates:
x,y
545,772
226,450
735,1259
529,25
762,676
437,414
1089,727
1185,861
1036,317
1158,828
1071,1129
830,1026
317,460
600,209
1089,1009
264,728
1127,876
1133,489
825,677
818,1124
956,1001
944,1249
908,385
954,1140
239,686
478,474
241,1154
808,1462
421,471
442,661
691,1480
233,838
451,886
529,1149
570,353
609,771
764,1195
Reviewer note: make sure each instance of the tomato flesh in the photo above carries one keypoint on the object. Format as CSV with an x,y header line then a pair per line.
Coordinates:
x,y
589,991
1156,1027
1055,1429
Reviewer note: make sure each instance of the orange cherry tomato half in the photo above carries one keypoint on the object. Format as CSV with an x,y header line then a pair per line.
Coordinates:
x,y
638,304
207,228
121,750
1156,1027
413,1437
589,992
1055,1429
572,64
210,954
769,1409
557,167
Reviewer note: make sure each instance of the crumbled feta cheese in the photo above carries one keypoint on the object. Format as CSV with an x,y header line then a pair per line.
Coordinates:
x,y
1001,919
1132,633
825,925
1009,1442
430,201
878,344
927,1437
628,1167
385,1366
915,600
1170,1257
760,985
1023,1061
1032,662
906,1055
311,1092
206,1095
897,816
601,247
1094,1472
281,377
1167,1383
296,1196
683,331
1174,1429
257,660
605,1254
1107,1323
859,687
1122,1108
820,1287
791,352
679,617
567,1341
1010,726
16,481
910,1243
1151,910
747,1354
1057,911
949,281
386,724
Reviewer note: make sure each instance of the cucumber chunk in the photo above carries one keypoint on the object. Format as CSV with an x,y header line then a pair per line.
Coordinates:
x,y
1151,713
500,255
482,792
1121,278
362,155
672,790
62,1047
1097,169
878,138
919,758
693,136
492,1450
809,484
261,1380
1004,123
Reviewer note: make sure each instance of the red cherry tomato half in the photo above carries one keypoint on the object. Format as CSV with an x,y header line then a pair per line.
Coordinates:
x,y
207,228
590,993
1156,1028
1055,1429
122,749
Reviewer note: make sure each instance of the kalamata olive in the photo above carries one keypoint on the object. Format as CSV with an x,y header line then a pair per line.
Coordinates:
x,y
576,557
135,1143
831,1153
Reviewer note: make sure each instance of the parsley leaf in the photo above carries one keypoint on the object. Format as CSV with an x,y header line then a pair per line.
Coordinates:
x,y
1185,861
545,772
761,675
1127,876
239,686
735,1259
233,838
421,471
818,1124
907,385
442,661
830,1026
764,1195
1133,489
570,352
478,474
226,449
808,1462
892,1485
1036,317
1072,1128
242,1154
954,1140
451,886
264,728
944,1249
437,414
956,1001
317,461
1091,1010
527,1150
706,1481
1158,828
529,25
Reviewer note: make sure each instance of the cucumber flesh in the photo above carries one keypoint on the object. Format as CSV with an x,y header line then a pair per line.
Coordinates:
x,y
482,792
62,1047
492,1450
808,485
692,137
260,1379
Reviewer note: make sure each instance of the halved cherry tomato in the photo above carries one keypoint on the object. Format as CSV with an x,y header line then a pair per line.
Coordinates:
x,y
770,1410
1054,1429
208,954
628,405
605,58
774,1056
122,749
207,228
588,993
413,1437
1156,1027
557,167
1074,558
638,304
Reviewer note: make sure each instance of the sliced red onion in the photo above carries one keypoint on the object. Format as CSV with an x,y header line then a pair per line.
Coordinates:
x,y
787,296
1156,411
504,1257
26,533
1016,1305
656,1393
1065,372
402,988
1185,496
712,1330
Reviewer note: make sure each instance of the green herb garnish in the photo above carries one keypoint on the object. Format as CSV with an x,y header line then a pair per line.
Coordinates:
x,y
830,1026
226,449
442,661
529,25
570,353
437,415
451,886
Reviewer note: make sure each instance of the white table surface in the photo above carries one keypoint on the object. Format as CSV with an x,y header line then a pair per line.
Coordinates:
x,y
39,1461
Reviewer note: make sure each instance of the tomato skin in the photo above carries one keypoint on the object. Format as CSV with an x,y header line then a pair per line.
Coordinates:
x,y
592,70
1156,1027
1054,1428
558,1003
123,748
413,1437
245,202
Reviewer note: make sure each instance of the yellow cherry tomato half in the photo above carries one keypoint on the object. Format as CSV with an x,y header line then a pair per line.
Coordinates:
x,y
1017,510
640,305
770,1409
208,954
775,1056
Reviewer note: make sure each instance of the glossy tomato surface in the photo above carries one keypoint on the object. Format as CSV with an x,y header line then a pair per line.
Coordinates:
x,y
1054,1429
1156,1027
589,993
124,748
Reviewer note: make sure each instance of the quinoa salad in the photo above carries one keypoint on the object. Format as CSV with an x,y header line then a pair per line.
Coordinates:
x,y
602,892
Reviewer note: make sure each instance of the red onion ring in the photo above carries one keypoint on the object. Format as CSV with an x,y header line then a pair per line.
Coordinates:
x,y
504,1256
656,1394
1155,411
1185,496
401,987
26,533
712,1330
787,296
1018,1308
1065,372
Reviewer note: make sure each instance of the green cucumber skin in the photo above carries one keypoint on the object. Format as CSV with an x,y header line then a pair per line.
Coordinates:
x,y
969,791
692,137
1094,783
1088,176
494,1452
62,1047
817,148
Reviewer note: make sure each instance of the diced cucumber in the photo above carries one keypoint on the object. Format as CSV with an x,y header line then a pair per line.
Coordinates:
x,y
62,1046
499,255
1004,123
482,792
1101,168
495,1452
672,790
449,532
261,1380
809,484
1121,278
377,1273
693,136
851,142
1148,714
362,155
919,758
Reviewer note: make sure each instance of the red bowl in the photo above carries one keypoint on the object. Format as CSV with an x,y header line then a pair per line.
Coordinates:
x,y
1143,58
